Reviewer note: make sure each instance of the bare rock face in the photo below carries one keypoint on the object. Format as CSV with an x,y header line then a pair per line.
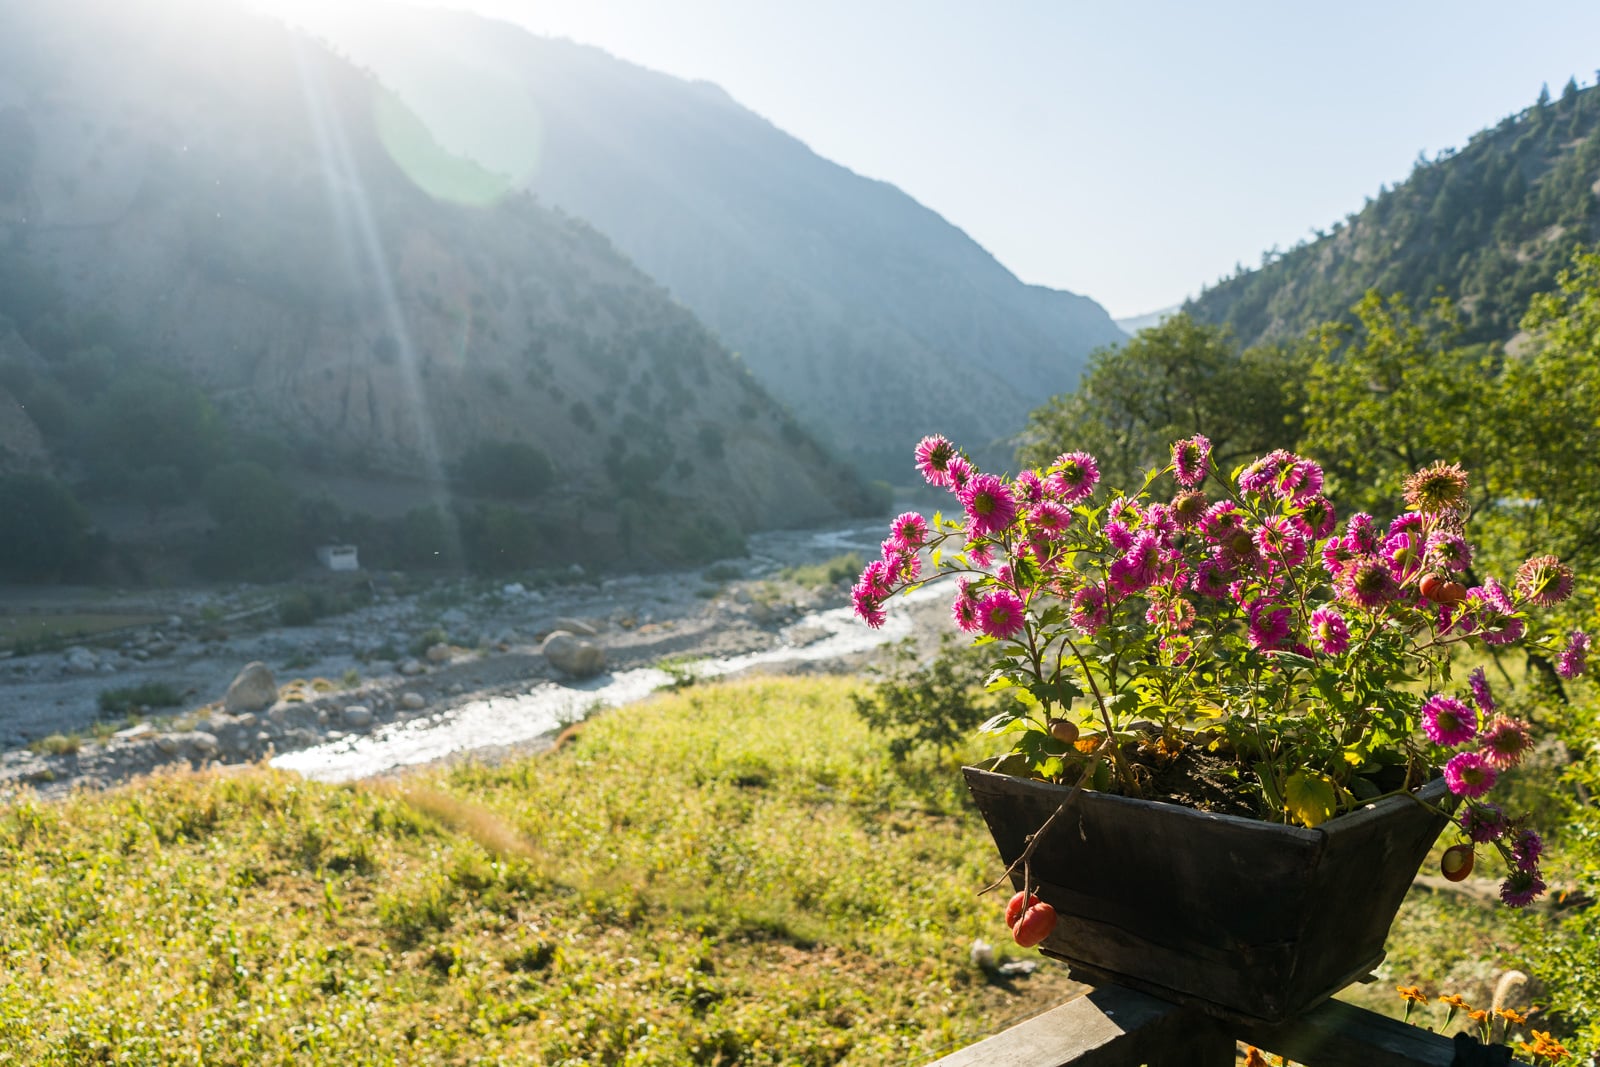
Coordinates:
x,y
254,689
574,655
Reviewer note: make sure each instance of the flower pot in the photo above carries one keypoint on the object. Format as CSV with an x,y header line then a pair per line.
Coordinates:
x,y
1244,919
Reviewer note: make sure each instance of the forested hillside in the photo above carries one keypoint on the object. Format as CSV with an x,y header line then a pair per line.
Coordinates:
x,y
838,291
1487,226
227,257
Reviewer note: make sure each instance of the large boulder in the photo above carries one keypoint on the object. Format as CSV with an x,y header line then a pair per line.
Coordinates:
x,y
253,690
574,655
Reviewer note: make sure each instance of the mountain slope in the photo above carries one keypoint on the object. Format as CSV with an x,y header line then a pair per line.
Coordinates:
x,y
873,318
1488,226
248,210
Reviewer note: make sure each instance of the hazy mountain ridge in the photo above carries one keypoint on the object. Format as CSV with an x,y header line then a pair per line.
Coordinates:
x,y
872,317
227,193
1488,226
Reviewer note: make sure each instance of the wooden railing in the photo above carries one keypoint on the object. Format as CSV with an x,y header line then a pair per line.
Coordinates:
x,y
1115,1027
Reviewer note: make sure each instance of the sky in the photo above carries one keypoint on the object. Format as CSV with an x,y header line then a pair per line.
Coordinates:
x,y
1133,152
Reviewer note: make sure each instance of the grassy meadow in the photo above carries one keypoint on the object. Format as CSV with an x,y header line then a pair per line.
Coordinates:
x,y
727,874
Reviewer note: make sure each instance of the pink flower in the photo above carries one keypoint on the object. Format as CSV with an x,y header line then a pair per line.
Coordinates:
x,y
878,579
964,609
1050,519
1526,848
1089,609
1468,775
911,529
979,555
1438,488
1366,583
1269,624
1029,487
1483,822
1171,613
867,606
1260,475
1480,690
1298,481
1001,614
989,504
1574,658
1329,631
1544,580
1448,721
1448,550
934,454
1211,579
1139,567
1361,535
1410,522
957,473
1188,508
1191,460
1119,535
1281,543
1490,612
1403,552
1319,515
1521,888
1504,742
1073,476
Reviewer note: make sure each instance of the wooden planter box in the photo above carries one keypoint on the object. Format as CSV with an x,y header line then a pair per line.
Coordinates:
x,y
1245,919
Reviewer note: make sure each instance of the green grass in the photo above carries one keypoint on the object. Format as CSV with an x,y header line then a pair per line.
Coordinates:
x,y
48,630
840,570
130,698
731,874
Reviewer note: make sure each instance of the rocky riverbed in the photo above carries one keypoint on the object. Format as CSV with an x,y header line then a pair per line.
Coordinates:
x,y
423,666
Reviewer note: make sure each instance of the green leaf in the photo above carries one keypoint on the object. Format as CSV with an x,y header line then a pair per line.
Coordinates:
x,y
1310,797
997,724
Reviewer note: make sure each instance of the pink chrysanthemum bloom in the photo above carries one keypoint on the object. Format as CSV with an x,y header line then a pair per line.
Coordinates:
x,y
1188,508
1410,522
1173,614
1049,519
1259,476
1504,742
1124,510
957,473
1437,488
1029,487
1139,567
1329,631
1001,614
1361,534
1544,580
911,529
1479,684
1280,542
907,566
1297,481
1575,657
1211,579
1448,721
1403,553
1089,609
1447,549
1073,476
1526,848
1158,519
1336,555
1191,460
1319,516
934,454
1521,888
867,606
1483,822
1469,775
1119,536
1490,612
989,504
878,579
964,609
1269,624
1366,583
980,556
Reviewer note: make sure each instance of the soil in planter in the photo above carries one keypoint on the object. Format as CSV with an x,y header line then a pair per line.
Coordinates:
x,y
1192,778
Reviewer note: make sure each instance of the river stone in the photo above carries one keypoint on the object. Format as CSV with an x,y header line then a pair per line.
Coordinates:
x,y
253,690
203,743
574,655
410,667
169,744
357,715
412,701
576,626
439,653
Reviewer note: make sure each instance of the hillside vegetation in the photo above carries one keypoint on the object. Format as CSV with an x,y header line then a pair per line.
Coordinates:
x,y
838,291
1487,226
737,874
220,243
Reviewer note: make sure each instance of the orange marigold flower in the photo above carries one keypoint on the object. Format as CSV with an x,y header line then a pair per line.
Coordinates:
x,y
1254,1058
1478,1016
1455,1002
1511,1016
1412,992
1544,1045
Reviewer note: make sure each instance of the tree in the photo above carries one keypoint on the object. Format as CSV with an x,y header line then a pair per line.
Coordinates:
x,y
257,523
44,531
1173,380
509,469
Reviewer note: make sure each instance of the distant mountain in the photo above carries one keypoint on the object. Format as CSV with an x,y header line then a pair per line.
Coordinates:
x,y
1488,226
872,317
207,194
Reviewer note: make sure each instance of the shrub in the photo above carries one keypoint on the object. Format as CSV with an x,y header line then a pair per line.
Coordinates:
x,y
508,469
129,699
44,531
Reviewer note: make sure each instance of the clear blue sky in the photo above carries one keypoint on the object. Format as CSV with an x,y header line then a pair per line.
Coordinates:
x,y
1129,151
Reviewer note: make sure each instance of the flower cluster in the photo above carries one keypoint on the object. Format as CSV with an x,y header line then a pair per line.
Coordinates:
x,y
1237,616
